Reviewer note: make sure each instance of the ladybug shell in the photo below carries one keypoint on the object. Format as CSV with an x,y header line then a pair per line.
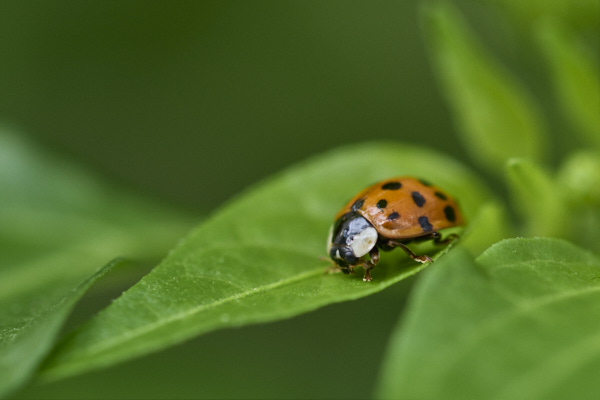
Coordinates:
x,y
405,207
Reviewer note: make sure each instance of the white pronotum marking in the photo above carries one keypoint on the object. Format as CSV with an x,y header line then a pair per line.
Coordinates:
x,y
363,242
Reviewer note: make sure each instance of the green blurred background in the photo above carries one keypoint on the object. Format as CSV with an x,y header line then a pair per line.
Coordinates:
x,y
191,102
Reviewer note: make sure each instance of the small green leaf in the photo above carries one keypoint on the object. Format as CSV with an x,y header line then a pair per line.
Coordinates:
x,y
496,117
519,323
579,178
490,225
577,15
58,225
258,259
576,80
27,335
535,196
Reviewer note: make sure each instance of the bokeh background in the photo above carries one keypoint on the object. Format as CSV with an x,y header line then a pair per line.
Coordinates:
x,y
193,101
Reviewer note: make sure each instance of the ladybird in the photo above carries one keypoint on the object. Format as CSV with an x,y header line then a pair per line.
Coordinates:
x,y
390,214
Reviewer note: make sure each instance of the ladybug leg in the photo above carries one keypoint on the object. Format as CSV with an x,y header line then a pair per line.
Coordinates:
x,y
374,254
368,265
411,254
437,238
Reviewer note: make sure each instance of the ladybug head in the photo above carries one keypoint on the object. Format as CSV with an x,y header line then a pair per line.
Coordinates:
x,y
350,238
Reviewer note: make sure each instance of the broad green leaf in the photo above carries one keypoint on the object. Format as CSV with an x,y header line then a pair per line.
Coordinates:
x,y
58,226
535,196
519,322
28,334
495,116
258,259
576,80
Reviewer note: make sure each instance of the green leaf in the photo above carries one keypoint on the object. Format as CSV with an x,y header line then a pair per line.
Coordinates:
x,y
257,259
577,15
495,116
490,225
542,208
27,335
58,226
520,322
579,178
575,77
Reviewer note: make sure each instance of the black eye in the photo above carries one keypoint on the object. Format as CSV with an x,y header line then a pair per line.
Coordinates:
x,y
348,256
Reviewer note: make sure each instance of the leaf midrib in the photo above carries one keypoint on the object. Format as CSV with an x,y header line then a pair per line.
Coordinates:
x,y
100,346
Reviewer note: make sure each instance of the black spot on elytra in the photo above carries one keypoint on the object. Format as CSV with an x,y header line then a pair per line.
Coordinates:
x,y
418,199
440,195
392,186
424,222
450,215
382,203
358,204
393,216
424,182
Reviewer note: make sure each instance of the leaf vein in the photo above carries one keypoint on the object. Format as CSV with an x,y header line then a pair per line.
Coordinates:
x,y
490,327
133,333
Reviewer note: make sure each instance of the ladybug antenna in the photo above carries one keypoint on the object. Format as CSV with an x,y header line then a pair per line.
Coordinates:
x,y
329,260
334,267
